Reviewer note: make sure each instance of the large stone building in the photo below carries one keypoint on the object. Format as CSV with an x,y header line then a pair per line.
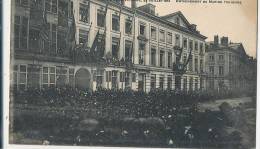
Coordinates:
x,y
95,43
229,67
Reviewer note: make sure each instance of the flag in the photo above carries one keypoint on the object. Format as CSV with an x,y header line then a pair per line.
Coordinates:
x,y
86,43
70,37
94,44
44,33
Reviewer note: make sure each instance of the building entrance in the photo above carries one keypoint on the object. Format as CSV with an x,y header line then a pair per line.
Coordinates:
x,y
83,79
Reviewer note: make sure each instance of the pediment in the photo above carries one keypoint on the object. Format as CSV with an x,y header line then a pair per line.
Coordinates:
x,y
177,18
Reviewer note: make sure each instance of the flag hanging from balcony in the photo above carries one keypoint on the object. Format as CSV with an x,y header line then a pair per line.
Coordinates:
x,y
95,43
44,33
70,37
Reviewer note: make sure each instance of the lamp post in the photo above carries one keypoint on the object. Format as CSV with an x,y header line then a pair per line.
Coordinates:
x,y
179,68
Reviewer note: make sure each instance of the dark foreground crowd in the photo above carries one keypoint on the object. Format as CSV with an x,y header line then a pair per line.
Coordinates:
x,y
124,118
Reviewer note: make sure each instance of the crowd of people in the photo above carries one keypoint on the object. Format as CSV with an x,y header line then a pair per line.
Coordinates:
x,y
176,111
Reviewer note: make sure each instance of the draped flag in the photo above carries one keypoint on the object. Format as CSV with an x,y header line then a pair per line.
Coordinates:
x,y
94,44
70,37
44,33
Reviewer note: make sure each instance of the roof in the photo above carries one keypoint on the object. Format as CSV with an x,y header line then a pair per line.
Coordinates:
x,y
179,13
160,19
236,47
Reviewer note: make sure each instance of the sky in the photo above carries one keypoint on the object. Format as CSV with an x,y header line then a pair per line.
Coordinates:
x,y
237,21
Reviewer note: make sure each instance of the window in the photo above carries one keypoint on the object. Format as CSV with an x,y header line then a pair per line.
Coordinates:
x,y
169,59
141,53
169,82
230,67
211,83
211,58
54,6
128,26
33,73
196,84
83,37
162,58
24,32
34,39
46,43
71,9
61,76
48,5
100,18
63,13
83,13
17,23
115,47
191,45
177,40
49,77
141,82
127,80
185,84
36,10
153,33
142,30
133,77
128,51
162,35
161,80
71,77
191,84
153,81
122,76
201,83
221,57
22,2
221,70
54,39
191,64
22,77
211,70
99,78
196,46
185,42
115,22
61,40
196,64
201,48
108,76
153,56
21,32
201,65
114,79
169,38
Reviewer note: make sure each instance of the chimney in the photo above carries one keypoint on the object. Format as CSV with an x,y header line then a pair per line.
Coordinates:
x,y
224,41
133,4
216,41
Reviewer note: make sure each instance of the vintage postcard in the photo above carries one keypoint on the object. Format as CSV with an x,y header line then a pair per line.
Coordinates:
x,y
132,73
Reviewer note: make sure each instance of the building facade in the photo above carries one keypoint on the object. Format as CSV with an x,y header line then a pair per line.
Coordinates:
x,y
95,43
229,67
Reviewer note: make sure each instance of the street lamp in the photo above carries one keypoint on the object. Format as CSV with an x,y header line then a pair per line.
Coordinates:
x,y
179,68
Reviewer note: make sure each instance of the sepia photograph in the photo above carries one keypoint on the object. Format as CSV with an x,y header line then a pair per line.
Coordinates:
x,y
133,73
